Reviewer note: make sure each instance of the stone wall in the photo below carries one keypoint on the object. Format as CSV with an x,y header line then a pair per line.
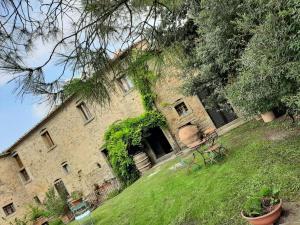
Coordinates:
x,y
169,94
77,142
11,190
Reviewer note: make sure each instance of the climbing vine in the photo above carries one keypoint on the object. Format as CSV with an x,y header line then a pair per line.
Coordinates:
x,y
122,135
144,69
143,77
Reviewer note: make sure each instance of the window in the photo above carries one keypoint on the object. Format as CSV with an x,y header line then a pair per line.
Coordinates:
x,y
84,111
98,165
25,176
61,189
65,167
9,209
181,109
17,158
47,139
125,83
37,200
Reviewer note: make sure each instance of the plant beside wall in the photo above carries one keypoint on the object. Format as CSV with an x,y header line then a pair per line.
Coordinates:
x,y
142,77
120,136
54,204
264,208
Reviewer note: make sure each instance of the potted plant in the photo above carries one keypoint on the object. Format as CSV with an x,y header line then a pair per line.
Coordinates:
x,y
76,197
264,208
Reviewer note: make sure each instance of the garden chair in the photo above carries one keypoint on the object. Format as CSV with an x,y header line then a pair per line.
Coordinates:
x,y
82,213
209,150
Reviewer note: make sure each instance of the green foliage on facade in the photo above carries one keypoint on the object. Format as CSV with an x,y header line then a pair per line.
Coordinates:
x,y
122,135
142,76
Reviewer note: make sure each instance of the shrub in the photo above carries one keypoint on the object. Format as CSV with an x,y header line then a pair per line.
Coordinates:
x,y
36,212
54,204
76,195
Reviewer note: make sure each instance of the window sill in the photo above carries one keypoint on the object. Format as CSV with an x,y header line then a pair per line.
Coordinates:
x,y
51,148
88,121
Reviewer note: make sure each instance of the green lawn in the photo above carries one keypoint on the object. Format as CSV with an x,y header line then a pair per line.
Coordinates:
x,y
213,194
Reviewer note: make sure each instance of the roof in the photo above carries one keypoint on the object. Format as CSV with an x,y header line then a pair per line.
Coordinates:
x,y
7,151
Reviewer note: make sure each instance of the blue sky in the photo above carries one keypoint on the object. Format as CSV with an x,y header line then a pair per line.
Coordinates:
x,y
16,116
19,115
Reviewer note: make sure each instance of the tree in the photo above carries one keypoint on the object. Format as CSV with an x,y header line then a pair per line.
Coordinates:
x,y
247,51
84,33
269,75
218,48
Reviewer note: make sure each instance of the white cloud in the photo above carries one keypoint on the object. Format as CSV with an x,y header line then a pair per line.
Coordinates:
x,y
40,110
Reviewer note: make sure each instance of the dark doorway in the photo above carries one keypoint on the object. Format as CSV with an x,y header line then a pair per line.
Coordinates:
x,y
61,189
220,117
158,142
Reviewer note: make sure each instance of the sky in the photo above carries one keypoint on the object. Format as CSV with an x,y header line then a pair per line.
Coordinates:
x,y
18,115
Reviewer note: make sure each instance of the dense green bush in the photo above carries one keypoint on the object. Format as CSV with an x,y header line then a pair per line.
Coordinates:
x,y
122,135
54,204
268,77
248,51
36,212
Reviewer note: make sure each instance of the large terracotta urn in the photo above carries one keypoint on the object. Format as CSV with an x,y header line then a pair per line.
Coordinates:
x,y
189,135
268,116
268,219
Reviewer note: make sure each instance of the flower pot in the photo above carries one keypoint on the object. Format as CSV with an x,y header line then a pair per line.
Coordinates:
x,y
75,202
268,116
41,221
189,135
267,219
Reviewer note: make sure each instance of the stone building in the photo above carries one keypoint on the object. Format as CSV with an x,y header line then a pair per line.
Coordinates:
x,y
65,149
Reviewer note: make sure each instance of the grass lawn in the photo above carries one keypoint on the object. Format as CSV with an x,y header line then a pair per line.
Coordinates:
x,y
259,154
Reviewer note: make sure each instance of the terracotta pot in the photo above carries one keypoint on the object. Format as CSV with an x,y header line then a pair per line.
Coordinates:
x,y
75,202
268,116
189,135
40,221
268,219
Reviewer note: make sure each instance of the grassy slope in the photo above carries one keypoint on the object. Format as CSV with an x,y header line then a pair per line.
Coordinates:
x,y
214,194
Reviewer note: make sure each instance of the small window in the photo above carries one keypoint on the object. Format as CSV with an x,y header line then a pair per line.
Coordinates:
x,y
25,176
47,139
37,200
98,165
125,83
84,111
65,167
17,158
9,209
181,109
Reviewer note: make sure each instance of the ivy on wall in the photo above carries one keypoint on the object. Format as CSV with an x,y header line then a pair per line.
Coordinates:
x,y
144,69
142,77
122,135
